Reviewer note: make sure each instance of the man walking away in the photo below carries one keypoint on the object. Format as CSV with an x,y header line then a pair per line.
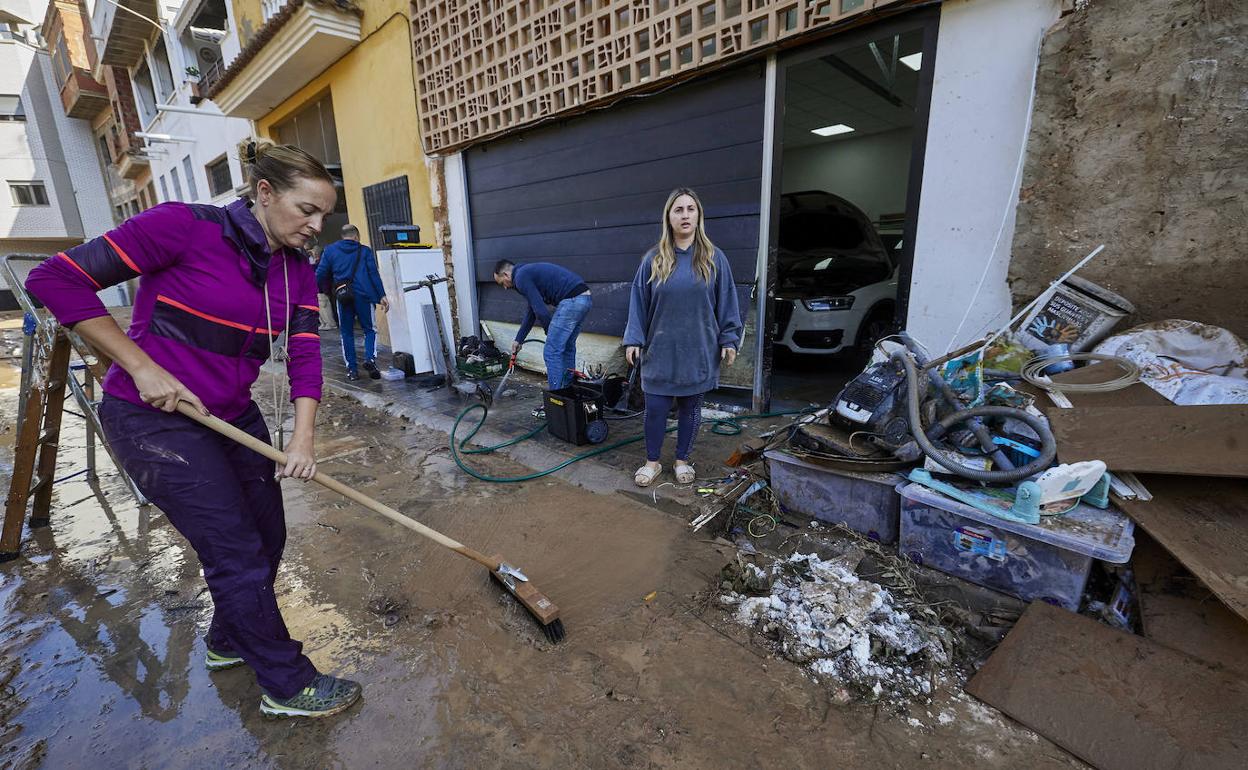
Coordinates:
x,y
544,284
350,269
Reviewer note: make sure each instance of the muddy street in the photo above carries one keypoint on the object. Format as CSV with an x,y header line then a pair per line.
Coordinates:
x,y
101,646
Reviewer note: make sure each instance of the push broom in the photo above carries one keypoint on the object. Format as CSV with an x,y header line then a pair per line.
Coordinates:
x,y
511,578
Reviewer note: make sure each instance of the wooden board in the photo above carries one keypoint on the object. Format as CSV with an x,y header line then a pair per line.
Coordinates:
x,y
1114,699
1178,611
1135,394
1196,440
1204,524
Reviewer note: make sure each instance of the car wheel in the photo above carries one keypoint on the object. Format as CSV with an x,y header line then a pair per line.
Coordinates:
x,y
876,327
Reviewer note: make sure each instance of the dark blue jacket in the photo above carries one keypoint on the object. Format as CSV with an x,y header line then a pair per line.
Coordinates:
x,y
336,262
544,284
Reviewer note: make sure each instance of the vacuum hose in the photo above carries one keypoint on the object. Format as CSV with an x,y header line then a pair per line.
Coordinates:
x,y
948,459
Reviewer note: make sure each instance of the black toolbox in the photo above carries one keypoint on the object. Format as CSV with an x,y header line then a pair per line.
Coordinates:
x,y
575,413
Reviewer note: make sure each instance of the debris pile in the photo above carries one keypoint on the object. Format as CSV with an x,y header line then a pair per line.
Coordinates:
x,y
843,629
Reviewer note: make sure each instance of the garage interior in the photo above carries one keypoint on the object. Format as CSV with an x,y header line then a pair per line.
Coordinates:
x,y
843,154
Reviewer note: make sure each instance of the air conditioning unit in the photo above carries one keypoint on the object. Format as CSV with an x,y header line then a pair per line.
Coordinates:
x,y
205,35
208,54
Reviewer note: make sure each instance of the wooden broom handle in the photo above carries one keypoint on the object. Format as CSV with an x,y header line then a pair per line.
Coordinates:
x,y
279,457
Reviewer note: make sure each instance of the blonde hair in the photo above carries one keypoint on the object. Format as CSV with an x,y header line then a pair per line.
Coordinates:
x,y
280,165
664,260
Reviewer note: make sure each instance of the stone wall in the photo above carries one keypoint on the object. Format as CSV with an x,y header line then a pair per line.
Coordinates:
x,y
1140,141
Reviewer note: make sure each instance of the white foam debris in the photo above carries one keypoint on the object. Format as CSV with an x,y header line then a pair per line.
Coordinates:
x,y
842,628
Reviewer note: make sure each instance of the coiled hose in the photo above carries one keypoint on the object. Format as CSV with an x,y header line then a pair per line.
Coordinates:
x,y
948,459
723,427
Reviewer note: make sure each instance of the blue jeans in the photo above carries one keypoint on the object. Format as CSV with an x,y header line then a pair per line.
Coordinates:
x,y
560,352
361,310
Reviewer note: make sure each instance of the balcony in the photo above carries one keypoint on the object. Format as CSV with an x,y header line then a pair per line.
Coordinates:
x,y
123,33
294,46
82,97
131,165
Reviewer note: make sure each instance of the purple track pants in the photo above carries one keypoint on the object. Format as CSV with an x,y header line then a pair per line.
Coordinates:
x,y
224,499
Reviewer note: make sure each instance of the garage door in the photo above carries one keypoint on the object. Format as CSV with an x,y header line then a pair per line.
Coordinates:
x,y
588,193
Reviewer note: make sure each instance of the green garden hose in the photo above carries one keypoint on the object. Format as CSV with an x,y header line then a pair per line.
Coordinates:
x,y
722,427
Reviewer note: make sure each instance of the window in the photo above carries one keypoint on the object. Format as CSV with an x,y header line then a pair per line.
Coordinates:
x,y
11,108
164,190
386,203
189,171
146,96
61,61
177,184
313,130
164,73
151,195
219,180
106,153
28,193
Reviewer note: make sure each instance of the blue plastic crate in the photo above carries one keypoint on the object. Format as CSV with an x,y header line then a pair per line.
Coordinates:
x,y
1049,561
865,502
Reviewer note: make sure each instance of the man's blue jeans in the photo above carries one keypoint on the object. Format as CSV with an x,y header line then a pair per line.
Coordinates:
x,y
361,310
560,353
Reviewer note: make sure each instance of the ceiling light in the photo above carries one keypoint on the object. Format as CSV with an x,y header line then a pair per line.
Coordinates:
x,y
913,61
839,128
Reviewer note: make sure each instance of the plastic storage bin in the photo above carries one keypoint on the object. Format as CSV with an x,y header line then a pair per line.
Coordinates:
x,y
865,502
1049,561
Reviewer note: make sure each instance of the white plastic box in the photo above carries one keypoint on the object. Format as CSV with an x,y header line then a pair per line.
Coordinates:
x,y
1048,561
865,502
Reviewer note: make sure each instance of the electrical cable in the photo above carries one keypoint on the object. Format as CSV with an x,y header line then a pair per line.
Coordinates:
x,y
1033,373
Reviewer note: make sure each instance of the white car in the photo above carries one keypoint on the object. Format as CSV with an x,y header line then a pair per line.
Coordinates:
x,y
836,282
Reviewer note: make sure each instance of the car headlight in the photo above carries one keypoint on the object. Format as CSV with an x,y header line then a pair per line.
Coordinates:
x,y
829,303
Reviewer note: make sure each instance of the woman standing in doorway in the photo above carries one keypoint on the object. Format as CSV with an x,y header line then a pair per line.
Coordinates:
x,y
682,322
219,288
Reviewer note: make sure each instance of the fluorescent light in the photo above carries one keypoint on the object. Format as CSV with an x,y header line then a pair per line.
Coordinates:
x,y
913,61
839,128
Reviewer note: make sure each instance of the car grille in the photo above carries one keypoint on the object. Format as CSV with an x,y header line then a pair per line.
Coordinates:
x,y
818,339
784,313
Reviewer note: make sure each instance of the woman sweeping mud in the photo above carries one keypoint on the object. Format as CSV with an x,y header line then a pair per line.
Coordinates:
x,y
217,289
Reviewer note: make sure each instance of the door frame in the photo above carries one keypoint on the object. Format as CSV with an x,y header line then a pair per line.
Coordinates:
x,y
927,19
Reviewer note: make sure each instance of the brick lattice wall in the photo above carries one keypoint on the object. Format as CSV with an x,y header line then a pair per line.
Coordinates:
x,y
484,67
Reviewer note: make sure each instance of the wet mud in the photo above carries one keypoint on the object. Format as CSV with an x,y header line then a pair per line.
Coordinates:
x,y
101,641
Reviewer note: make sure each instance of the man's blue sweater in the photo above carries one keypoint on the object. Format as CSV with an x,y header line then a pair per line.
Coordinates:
x,y
543,284
336,262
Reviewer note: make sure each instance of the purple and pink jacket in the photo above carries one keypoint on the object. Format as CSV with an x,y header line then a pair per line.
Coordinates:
x,y
199,311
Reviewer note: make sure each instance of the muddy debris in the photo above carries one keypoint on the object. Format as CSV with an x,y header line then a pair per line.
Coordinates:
x,y
843,630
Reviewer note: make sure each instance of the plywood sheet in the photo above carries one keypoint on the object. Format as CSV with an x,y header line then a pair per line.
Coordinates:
x,y
1116,700
1178,611
1204,524
1136,394
1197,440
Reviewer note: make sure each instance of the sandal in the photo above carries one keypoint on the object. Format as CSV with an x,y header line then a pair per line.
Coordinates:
x,y
646,475
685,474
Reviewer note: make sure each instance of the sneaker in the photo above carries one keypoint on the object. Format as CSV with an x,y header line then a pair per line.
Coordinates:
x,y
372,370
539,413
219,661
325,696
353,375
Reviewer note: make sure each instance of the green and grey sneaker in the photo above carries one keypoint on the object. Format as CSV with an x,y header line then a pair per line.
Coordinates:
x,y
219,661
325,696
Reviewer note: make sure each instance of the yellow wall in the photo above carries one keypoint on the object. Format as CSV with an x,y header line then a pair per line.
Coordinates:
x,y
375,114
248,19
